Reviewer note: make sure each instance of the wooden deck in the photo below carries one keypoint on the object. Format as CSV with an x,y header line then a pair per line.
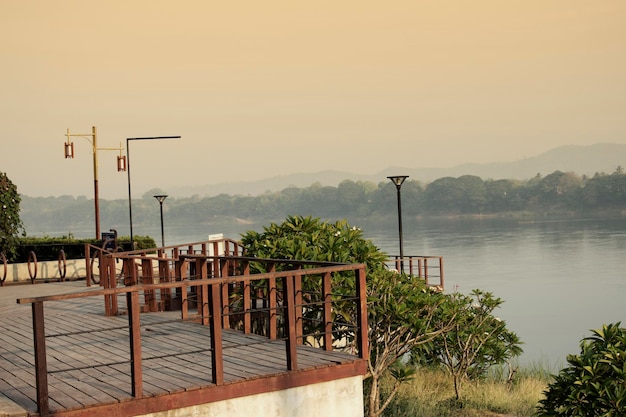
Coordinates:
x,y
88,359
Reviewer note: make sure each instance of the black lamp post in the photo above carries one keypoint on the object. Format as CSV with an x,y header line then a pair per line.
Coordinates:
x,y
397,181
161,199
130,205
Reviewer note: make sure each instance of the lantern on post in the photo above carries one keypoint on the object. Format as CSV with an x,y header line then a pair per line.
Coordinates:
x,y
92,139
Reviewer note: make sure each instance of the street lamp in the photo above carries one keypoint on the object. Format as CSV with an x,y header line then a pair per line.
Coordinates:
x,y
397,181
92,139
161,199
130,205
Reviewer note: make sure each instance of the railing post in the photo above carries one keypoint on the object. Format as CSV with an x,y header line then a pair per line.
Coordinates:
x,y
147,277
299,309
164,276
110,280
184,305
225,264
419,268
134,323
290,322
247,301
41,364
328,315
107,280
362,334
441,273
273,305
179,275
203,291
88,264
217,358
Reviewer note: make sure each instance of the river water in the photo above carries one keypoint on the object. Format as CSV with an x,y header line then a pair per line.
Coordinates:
x,y
558,279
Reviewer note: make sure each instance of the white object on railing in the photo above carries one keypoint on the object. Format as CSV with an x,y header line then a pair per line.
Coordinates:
x,y
220,245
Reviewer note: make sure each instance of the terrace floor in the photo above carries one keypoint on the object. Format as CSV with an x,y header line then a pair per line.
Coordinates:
x,y
89,371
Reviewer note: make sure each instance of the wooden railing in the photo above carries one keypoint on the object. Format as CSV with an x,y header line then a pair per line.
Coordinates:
x,y
102,266
428,268
292,300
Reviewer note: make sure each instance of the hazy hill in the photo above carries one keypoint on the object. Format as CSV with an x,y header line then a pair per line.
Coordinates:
x,y
583,160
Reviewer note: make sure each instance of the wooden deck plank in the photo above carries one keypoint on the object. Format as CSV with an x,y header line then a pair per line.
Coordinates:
x,y
17,389
112,380
87,385
65,394
124,384
89,367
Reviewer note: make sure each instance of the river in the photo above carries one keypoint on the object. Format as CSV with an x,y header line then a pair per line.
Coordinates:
x,y
558,279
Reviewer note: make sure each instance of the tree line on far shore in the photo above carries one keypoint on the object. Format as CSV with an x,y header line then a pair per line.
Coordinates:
x,y
558,194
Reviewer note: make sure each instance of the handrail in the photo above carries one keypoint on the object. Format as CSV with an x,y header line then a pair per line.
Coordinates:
x,y
287,288
420,267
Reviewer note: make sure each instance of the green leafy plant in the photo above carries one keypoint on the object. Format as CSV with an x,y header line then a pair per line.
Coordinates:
x,y
477,340
402,311
594,383
47,248
311,239
10,224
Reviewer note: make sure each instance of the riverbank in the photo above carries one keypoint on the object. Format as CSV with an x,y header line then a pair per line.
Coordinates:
x,y
431,394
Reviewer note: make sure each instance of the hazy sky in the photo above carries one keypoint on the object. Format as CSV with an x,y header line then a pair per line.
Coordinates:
x,y
264,88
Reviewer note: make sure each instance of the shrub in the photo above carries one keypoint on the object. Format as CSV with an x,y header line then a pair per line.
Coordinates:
x,y
10,223
402,311
477,341
594,383
47,248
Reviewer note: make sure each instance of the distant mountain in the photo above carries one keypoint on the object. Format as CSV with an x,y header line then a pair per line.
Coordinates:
x,y
582,160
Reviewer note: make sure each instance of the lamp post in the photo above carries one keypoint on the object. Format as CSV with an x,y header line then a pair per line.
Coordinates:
x,y
130,204
161,199
397,181
92,139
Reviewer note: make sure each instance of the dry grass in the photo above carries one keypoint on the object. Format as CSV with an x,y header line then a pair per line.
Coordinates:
x,y
431,394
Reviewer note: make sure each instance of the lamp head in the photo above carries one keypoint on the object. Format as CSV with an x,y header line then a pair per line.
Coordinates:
x,y
160,198
398,180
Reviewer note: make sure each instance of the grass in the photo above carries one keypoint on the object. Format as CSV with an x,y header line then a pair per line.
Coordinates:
x,y
431,394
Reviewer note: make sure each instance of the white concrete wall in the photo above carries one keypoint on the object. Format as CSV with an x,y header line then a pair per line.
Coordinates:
x,y
18,272
45,270
338,398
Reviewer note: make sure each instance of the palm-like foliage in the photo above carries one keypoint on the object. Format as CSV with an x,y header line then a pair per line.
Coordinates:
x,y
594,383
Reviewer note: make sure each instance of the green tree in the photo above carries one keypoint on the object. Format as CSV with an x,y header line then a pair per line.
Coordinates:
x,y
442,196
308,238
559,189
477,340
353,195
473,195
594,383
402,312
10,224
412,197
402,315
503,196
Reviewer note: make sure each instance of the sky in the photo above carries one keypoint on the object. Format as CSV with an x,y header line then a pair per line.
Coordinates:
x,y
257,89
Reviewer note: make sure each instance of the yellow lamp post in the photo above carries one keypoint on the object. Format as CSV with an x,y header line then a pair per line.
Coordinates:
x,y
92,139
